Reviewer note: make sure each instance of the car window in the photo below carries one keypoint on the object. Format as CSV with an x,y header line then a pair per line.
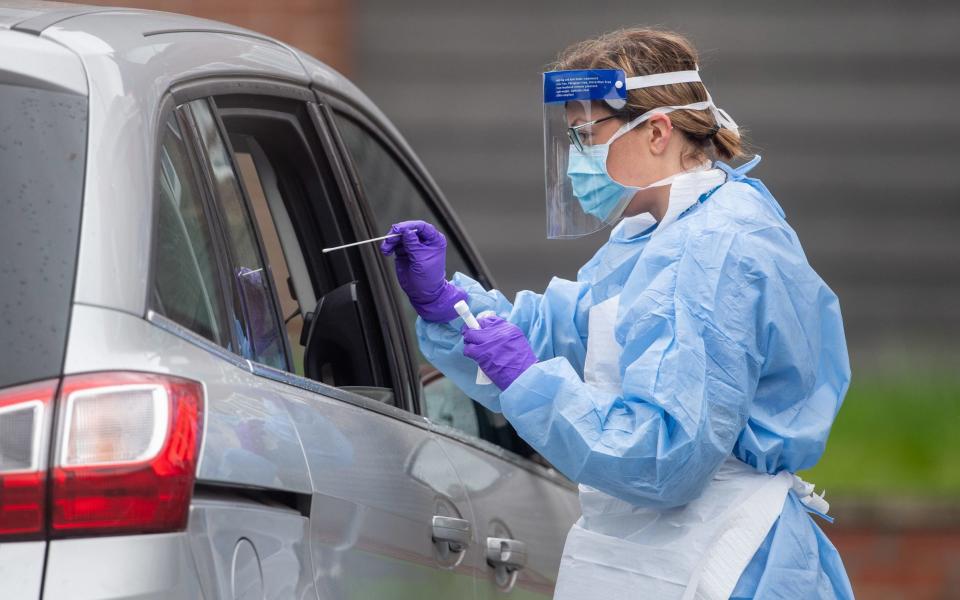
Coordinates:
x,y
281,253
393,195
43,135
445,403
327,319
260,335
185,284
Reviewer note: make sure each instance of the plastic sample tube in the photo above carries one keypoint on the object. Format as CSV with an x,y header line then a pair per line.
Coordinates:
x,y
471,321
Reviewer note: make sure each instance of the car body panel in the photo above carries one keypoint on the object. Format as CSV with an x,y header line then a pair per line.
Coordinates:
x,y
515,503
267,558
378,483
375,480
249,438
13,12
141,567
21,569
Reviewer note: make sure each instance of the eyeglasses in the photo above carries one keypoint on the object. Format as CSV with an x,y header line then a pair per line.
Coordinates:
x,y
574,132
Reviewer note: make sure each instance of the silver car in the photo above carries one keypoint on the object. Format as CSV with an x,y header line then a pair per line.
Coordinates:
x,y
195,400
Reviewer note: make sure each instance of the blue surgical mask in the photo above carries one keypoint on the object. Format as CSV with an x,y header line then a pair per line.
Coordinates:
x,y
599,195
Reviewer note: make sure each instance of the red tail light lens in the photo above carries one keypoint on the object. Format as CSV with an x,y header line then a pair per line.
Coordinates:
x,y
127,454
24,423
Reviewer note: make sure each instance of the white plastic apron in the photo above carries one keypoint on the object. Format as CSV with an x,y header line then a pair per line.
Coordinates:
x,y
617,551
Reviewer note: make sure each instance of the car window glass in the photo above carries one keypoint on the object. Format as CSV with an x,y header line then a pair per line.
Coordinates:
x,y
260,336
185,275
43,141
276,255
444,403
393,196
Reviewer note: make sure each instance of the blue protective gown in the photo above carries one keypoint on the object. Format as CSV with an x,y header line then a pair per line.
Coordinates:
x,y
731,344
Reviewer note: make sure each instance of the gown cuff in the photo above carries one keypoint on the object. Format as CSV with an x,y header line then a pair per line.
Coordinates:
x,y
440,310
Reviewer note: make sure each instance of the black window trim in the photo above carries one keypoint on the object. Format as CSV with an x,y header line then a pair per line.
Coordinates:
x,y
170,110
203,87
166,110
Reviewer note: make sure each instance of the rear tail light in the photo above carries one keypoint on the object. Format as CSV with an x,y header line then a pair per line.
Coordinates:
x,y
124,458
127,455
24,423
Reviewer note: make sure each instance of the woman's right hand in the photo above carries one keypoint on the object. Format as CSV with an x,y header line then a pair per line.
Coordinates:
x,y
420,252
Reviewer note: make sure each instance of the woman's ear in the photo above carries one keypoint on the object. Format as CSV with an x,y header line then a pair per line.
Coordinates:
x,y
661,129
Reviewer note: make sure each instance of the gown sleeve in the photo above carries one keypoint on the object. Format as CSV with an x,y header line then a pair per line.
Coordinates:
x,y
806,368
689,365
555,323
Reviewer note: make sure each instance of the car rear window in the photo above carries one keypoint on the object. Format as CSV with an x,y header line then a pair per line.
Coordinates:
x,y
42,151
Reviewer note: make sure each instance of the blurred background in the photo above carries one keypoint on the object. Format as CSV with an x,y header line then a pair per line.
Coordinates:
x,y
855,108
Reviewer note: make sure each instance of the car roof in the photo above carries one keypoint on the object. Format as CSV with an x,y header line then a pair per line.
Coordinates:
x,y
15,12
40,18
12,13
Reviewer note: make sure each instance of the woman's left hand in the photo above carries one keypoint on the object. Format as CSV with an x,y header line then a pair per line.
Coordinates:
x,y
499,348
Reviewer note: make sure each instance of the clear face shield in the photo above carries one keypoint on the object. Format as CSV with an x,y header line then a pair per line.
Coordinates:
x,y
579,112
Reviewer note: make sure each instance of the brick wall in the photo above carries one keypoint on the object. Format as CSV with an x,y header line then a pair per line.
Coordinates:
x,y
321,28
908,564
899,548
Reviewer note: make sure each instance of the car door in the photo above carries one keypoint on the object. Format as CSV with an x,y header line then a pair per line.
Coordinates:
x,y
523,508
387,511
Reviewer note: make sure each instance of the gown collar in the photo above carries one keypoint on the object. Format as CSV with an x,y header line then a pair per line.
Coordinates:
x,y
684,193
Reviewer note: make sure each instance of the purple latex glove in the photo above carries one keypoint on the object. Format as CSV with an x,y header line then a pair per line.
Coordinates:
x,y
421,258
499,348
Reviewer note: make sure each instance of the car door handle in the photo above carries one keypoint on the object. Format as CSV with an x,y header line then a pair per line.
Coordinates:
x,y
506,553
454,532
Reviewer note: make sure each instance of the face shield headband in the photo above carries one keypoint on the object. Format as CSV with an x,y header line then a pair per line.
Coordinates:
x,y
657,79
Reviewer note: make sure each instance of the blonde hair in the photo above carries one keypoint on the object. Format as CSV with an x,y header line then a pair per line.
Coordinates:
x,y
642,51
